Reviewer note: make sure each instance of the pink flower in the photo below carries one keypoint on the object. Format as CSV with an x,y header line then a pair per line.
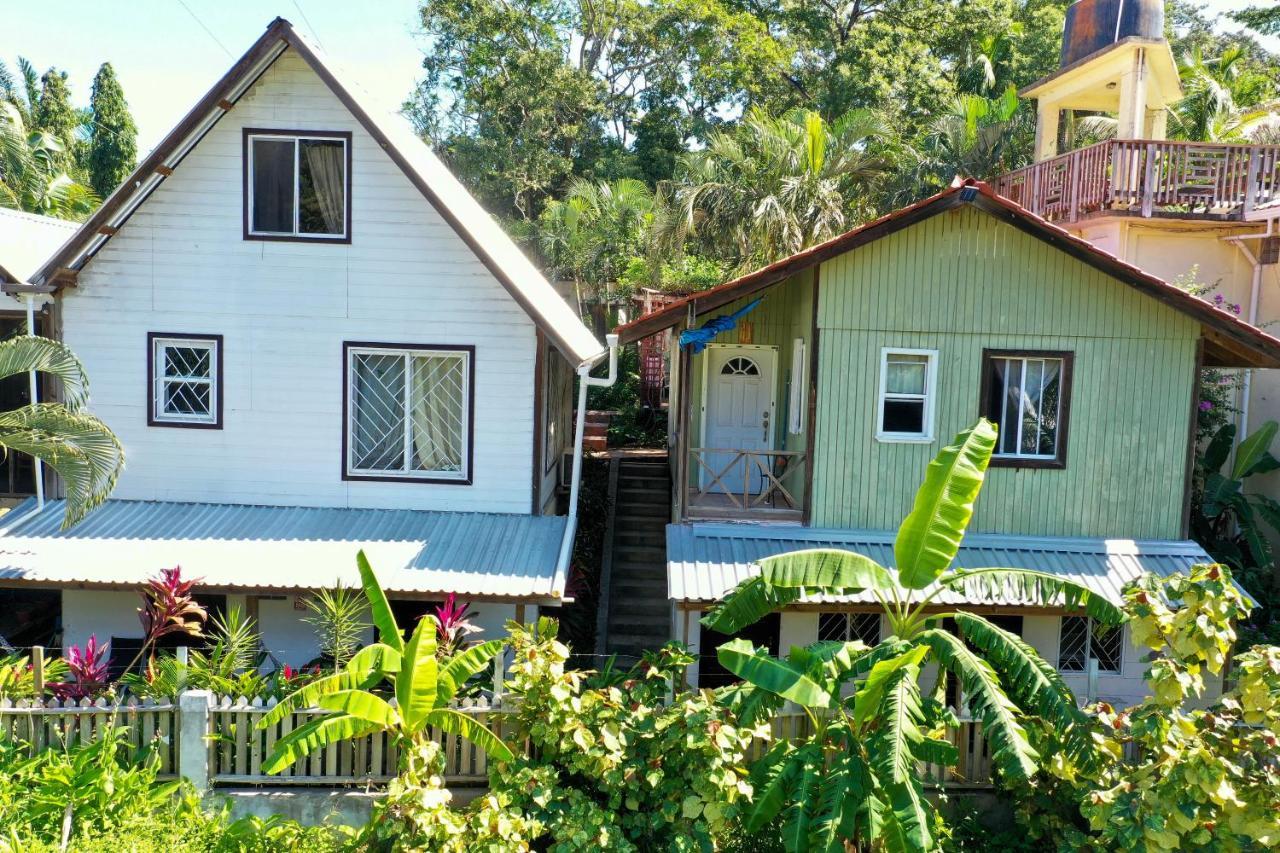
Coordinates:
x,y
168,607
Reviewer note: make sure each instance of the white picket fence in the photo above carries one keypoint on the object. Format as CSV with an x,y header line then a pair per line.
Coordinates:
x,y
56,724
216,741
237,748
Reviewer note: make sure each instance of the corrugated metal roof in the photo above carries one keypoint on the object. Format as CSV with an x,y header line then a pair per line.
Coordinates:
x,y
705,561
27,241
238,546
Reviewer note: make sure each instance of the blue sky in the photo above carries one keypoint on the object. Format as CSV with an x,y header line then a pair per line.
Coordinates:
x,y
167,60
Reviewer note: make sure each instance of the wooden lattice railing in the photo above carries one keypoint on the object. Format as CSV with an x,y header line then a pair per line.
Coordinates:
x,y
1149,178
747,479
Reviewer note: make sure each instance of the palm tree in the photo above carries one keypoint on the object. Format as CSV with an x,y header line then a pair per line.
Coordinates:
x,y
856,778
593,233
776,185
30,178
422,685
1224,100
79,447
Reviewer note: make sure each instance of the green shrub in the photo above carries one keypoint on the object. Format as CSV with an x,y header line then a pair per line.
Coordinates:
x,y
612,764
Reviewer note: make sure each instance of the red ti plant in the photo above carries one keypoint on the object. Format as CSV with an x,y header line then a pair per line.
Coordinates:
x,y
453,626
168,607
87,668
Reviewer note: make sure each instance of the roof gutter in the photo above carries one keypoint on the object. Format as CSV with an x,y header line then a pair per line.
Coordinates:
x,y
585,381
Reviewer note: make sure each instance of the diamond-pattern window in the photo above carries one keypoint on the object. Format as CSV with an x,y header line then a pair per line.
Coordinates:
x,y
843,627
408,412
185,380
1082,638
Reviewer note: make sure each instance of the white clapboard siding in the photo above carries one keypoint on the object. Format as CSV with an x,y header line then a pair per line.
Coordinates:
x,y
180,265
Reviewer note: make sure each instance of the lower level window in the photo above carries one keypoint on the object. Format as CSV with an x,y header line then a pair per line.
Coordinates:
x,y
844,627
1082,638
186,380
408,412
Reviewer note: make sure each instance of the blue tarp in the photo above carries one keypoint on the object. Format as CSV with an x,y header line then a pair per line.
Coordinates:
x,y
697,339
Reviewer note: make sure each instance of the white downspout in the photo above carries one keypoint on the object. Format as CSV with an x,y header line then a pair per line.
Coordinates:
x,y
585,381
31,376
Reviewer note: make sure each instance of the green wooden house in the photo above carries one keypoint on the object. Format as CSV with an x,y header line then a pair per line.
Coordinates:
x,y
810,422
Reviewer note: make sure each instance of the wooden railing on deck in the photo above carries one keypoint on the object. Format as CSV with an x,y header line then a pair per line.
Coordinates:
x,y
1146,177
769,478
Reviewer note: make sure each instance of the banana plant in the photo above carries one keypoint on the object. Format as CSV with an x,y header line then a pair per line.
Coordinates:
x,y
392,685
857,777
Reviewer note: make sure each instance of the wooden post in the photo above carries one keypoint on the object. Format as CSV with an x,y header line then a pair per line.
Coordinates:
x,y
183,654
37,672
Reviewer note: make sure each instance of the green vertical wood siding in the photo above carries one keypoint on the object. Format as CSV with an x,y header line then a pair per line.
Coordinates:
x,y
961,282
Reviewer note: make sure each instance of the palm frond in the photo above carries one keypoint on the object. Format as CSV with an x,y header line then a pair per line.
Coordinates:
x,y
1011,752
1031,585
463,665
22,354
79,447
314,735
454,722
748,603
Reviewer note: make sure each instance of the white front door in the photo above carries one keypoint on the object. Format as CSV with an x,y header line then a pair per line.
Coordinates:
x,y
738,413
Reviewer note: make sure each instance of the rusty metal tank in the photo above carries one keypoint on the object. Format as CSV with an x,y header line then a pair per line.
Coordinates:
x,y
1094,24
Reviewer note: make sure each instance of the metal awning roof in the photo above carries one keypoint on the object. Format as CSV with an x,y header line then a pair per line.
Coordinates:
x,y
264,548
705,561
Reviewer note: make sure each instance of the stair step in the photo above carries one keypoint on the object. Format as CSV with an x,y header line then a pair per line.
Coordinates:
x,y
641,640
640,555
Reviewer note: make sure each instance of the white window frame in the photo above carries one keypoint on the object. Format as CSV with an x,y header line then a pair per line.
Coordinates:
x,y
930,396
297,232
466,356
1004,406
1088,653
160,343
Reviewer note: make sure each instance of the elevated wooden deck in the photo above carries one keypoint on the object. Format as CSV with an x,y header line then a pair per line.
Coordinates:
x,y
1149,178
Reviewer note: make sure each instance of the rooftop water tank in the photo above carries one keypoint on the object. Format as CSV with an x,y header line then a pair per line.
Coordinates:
x,y
1095,24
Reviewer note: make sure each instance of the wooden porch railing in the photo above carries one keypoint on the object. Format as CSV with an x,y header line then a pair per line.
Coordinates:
x,y
770,479
1149,178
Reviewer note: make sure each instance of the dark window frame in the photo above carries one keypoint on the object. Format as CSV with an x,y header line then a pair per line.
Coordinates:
x,y
1059,460
469,477
218,374
246,155
1092,627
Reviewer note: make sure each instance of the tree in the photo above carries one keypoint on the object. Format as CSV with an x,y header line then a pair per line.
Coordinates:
x,y
422,686
113,139
30,176
54,114
855,778
526,95
774,186
81,449
1224,97
1261,18
1184,770
593,233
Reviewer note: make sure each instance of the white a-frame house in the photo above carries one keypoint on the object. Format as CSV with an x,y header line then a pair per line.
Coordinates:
x,y
310,339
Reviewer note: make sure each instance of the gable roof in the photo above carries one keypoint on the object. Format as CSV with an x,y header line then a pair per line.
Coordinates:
x,y
26,240
393,133
1229,341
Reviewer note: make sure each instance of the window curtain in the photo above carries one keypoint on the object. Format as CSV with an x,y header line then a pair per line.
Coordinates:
x,y
437,400
325,162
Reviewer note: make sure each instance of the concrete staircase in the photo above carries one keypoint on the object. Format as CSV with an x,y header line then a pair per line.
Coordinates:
x,y
639,613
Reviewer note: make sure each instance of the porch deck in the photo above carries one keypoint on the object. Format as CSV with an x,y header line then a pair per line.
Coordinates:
x,y
746,485
1150,178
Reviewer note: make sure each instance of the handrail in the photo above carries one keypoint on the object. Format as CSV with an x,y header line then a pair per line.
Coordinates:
x,y
752,463
1145,177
